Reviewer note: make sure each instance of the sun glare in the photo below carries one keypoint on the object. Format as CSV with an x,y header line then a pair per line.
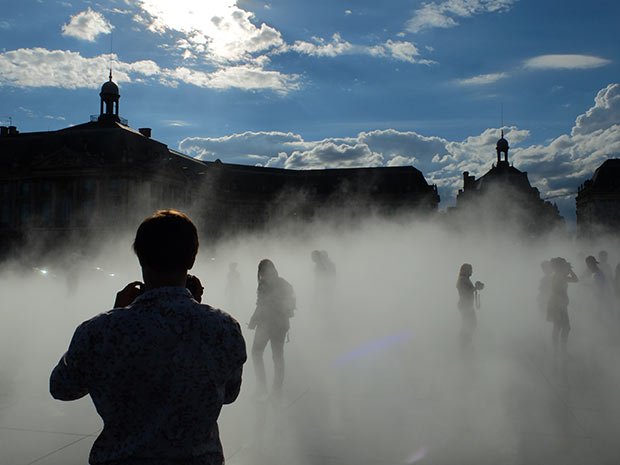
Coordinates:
x,y
225,27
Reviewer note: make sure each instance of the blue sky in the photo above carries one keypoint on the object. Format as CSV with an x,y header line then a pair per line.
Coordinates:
x,y
333,83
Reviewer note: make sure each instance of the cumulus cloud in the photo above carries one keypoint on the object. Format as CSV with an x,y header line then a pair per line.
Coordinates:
x,y
39,67
245,77
218,30
604,113
87,25
443,14
328,154
319,47
229,35
237,148
482,79
322,48
565,62
556,168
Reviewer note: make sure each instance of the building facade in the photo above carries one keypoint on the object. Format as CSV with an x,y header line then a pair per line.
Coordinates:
x,y
598,201
105,175
503,198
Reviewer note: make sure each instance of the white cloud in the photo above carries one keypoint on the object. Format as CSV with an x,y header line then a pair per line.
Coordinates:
x,y
443,14
565,62
482,79
39,67
5,25
87,25
319,47
244,77
223,32
556,168
238,147
399,160
328,154
176,123
604,114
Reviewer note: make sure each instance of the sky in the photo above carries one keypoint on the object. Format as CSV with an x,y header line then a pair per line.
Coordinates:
x,y
333,83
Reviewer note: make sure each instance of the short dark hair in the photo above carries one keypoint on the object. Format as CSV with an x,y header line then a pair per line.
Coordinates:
x,y
166,241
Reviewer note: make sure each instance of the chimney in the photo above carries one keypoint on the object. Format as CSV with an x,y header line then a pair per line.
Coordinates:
x,y
4,131
468,181
146,132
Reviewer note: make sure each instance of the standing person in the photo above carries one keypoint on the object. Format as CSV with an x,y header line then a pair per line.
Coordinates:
x,y
324,284
194,285
233,287
467,299
604,265
557,307
275,305
600,288
159,366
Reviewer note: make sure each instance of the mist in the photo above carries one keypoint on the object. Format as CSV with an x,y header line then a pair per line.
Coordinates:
x,y
374,372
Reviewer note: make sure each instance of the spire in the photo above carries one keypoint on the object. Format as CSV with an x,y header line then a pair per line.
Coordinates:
x,y
111,79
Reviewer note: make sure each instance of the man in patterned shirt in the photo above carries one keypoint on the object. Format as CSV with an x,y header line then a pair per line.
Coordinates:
x,y
160,366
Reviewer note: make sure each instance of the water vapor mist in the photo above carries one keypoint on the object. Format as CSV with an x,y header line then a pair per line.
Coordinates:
x,y
374,370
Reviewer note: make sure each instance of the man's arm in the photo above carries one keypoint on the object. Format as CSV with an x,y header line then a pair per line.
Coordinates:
x,y
238,356
233,387
68,380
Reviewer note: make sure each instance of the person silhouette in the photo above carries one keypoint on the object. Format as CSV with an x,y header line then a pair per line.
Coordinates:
x,y
600,287
193,285
275,305
159,366
557,307
468,297
233,287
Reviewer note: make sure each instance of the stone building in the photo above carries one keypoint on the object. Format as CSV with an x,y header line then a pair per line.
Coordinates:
x,y
104,175
90,177
503,198
598,201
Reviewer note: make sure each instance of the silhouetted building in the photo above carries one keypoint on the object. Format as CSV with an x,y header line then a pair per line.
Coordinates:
x,y
248,197
504,198
598,201
104,174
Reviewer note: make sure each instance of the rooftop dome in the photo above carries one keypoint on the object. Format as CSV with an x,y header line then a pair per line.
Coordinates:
x,y
109,88
502,144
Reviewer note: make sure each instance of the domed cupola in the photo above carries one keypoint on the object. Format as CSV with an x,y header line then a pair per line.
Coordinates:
x,y
502,147
109,97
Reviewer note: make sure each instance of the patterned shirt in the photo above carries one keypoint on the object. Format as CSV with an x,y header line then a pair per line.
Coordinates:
x,y
158,372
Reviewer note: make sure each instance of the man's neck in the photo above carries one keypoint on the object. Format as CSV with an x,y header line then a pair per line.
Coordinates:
x,y
154,278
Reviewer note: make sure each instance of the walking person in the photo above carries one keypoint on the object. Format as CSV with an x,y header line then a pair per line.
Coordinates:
x,y
275,305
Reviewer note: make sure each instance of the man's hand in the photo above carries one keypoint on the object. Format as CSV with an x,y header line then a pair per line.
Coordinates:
x,y
127,295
